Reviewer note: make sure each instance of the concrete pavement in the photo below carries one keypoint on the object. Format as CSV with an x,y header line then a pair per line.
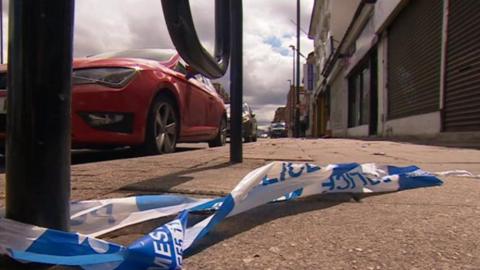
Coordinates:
x,y
432,228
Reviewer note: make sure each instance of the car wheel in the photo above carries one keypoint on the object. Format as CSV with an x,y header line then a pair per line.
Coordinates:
x,y
162,127
221,137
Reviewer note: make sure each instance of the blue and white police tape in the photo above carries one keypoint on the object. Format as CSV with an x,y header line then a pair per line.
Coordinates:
x,y
163,248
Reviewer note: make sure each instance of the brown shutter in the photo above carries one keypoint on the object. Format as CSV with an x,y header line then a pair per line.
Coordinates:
x,y
414,56
462,93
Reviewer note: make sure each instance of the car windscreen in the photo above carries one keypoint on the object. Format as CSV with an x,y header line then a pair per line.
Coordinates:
x,y
149,54
278,125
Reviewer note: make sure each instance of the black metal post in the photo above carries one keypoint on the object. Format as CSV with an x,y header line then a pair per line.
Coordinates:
x,y
293,64
297,88
38,120
293,87
1,31
236,81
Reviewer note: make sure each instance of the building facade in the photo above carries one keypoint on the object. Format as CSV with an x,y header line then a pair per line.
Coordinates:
x,y
404,68
329,22
290,111
309,80
279,115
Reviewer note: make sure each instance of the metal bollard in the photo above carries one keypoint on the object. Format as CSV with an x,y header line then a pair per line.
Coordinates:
x,y
236,82
38,120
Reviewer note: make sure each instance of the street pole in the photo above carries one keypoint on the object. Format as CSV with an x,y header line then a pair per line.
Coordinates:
x,y
293,64
1,31
293,87
38,119
297,88
236,81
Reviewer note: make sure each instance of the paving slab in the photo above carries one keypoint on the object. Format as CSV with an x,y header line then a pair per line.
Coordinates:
x,y
217,177
278,149
384,152
431,228
314,234
456,191
97,180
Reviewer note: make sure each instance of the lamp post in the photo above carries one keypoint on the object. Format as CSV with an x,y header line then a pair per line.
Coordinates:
x,y
295,86
293,64
1,31
297,89
236,81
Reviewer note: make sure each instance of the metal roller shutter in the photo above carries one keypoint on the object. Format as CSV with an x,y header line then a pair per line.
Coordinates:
x,y
414,56
462,93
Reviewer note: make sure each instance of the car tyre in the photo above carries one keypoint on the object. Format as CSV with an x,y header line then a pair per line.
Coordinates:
x,y
162,127
221,137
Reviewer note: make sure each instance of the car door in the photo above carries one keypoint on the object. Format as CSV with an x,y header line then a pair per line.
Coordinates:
x,y
215,108
195,105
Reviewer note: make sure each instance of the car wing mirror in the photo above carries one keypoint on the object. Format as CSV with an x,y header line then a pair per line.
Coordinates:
x,y
191,72
253,115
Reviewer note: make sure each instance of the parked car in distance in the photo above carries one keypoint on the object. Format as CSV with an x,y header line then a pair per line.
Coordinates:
x,y
278,130
249,123
264,135
142,98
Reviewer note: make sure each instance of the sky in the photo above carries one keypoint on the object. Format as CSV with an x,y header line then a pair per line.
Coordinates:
x,y
269,29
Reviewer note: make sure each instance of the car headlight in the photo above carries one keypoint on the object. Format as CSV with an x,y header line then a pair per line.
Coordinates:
x,y
111,77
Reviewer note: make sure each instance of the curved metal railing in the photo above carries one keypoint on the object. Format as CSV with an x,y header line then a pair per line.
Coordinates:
x,y
181,28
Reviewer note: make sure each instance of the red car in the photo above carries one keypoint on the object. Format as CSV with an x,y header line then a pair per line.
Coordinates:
x,y
141,98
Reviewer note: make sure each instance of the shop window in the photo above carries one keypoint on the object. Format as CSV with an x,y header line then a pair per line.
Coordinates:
x,y
359,84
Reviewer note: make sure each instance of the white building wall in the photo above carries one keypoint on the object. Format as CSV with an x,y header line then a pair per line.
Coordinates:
x,y
342,12
382,83
319,61
339,105
334,16
384,11
418,125
359,131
